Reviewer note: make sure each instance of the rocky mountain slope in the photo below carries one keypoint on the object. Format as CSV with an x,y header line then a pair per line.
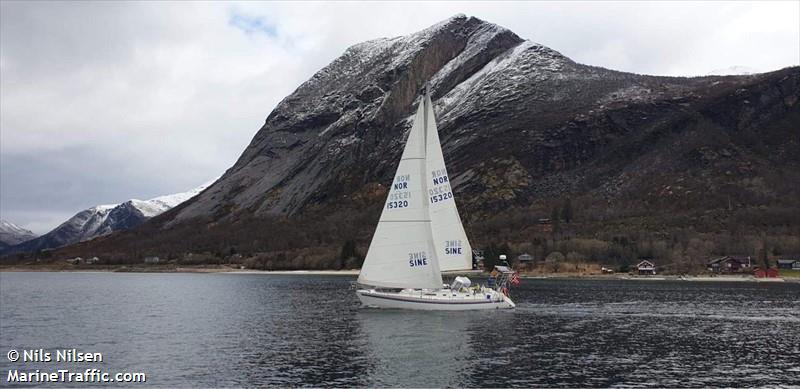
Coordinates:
x,y
11,234
523,127
502,103
102,220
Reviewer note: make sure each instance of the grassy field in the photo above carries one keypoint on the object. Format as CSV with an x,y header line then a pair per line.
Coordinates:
x,y
790,273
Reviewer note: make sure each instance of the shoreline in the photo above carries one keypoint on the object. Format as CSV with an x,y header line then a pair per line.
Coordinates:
x,y
167,269
354,272
699,278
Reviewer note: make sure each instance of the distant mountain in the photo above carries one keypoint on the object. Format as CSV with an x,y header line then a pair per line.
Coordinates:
x,y
646,161
11,234
103,220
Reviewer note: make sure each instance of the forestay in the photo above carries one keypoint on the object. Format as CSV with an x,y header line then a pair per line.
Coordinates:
x,y
402,254
450,240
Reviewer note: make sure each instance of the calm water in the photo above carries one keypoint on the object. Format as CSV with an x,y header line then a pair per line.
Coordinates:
x,y
222,330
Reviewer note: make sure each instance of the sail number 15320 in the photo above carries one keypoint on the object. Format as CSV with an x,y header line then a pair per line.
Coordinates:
x,y
441,197
397,204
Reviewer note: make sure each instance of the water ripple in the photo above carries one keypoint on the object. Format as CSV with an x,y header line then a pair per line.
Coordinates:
x,y
222,330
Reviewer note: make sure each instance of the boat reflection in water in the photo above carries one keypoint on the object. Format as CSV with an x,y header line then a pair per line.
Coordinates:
x,y
420,348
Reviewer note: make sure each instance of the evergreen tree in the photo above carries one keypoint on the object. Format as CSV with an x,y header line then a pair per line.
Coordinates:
x,y
348,250
566,211
349,256
555,221
490,257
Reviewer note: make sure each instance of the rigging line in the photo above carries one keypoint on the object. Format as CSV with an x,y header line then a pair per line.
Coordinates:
x,y
425,106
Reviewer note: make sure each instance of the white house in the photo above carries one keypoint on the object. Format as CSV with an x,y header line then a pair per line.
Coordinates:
x,y
646,267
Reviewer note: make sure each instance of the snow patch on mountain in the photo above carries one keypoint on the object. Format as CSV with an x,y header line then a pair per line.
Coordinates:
x,y
478,43
9,227
504,78
376,54
89,223
11,234
161,204
95,222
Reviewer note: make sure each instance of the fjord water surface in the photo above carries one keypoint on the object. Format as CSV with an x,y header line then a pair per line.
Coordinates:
x,y
223,330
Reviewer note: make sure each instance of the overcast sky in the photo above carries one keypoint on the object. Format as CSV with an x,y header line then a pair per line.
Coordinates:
x,y
101,102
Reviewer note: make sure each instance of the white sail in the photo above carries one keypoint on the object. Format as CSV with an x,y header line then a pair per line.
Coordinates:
x,y
450,241
401,254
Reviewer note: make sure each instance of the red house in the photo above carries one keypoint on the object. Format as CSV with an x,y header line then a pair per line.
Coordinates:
x,y
768,273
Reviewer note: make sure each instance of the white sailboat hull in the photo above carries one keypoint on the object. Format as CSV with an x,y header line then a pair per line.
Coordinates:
x,y
434,300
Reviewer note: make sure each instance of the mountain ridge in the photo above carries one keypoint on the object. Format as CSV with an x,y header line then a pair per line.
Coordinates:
x,y
102,220
11,234
539,64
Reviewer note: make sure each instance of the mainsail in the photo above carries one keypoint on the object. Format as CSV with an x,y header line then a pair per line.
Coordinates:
x,y
402,253
450,240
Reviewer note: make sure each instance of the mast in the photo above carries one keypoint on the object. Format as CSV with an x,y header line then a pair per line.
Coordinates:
x,y
425,108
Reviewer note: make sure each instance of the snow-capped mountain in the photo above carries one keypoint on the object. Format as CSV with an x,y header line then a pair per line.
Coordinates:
x,y
11,234
499,99
522,128
158,205
102,220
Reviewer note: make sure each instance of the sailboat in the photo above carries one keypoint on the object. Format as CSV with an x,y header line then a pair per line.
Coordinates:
x,y
420,235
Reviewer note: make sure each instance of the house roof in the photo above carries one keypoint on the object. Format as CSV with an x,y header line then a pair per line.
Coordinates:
x,y
787,261
737,258
645,263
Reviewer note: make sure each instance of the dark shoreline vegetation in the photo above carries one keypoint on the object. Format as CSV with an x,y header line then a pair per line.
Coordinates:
x,y
570,238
